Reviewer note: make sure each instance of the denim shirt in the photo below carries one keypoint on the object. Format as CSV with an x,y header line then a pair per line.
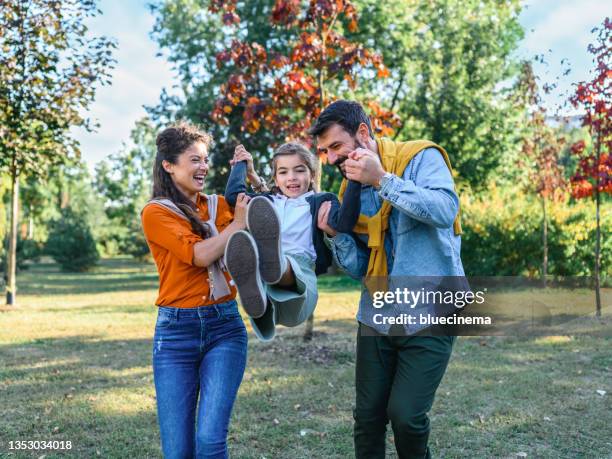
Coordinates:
x,y
421,240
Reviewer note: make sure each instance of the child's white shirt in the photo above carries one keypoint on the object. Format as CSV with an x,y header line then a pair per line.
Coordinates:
x,y
296,224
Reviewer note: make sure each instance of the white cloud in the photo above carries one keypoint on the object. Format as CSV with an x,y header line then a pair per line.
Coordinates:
x,y
569,21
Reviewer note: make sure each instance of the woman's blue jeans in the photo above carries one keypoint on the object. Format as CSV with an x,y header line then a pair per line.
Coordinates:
x,y
197,353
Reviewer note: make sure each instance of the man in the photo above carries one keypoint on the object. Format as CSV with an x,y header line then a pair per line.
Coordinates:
x,y
409,227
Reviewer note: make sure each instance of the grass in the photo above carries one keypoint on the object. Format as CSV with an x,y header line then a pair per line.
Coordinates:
x,y
75,364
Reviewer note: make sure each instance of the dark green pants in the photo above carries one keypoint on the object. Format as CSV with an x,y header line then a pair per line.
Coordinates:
x,y
396,380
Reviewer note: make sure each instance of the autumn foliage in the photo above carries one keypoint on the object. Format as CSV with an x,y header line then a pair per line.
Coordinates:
x,y
543,145
594,171
284,92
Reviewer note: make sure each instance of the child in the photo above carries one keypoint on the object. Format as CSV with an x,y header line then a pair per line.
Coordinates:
x,y
283,246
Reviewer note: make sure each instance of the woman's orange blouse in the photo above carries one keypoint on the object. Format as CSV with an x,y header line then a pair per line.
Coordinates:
x,y
171,241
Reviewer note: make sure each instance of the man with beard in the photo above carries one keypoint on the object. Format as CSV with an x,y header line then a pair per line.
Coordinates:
x,y
408,226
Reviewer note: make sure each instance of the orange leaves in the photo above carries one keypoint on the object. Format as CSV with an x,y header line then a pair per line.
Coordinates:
x,y
591,173
383,72
581,188
384,122
282,91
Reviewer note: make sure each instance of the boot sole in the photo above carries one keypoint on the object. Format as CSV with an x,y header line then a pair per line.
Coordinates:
x,y
264,226
241,260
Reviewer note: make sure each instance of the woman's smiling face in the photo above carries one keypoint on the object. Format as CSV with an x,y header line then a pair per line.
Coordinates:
x,y
190,170
293,176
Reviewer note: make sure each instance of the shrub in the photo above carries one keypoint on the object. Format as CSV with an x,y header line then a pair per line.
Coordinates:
x,y
27,250
71,243
135,244
503,235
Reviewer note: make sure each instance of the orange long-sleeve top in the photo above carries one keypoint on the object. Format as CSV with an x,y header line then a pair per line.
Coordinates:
x,y
171,241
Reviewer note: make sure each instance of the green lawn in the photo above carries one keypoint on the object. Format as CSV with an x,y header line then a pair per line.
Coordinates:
x,y
75,364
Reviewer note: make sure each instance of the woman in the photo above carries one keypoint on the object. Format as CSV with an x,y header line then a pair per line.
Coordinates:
x,y
200,341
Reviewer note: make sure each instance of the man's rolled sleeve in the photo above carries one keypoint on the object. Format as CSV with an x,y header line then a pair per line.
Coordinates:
x,y
349,257
426,191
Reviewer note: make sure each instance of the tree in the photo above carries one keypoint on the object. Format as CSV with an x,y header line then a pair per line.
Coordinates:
x,y
285,91
593,176
451,72
49,69
251,71
542,147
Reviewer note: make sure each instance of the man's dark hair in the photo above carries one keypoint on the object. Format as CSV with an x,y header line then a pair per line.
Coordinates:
x,y
346,113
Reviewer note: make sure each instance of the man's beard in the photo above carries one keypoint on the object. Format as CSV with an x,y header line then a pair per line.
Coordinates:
x,y
339,161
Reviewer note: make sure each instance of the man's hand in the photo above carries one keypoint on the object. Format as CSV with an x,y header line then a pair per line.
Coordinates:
x,y
364,166
322,219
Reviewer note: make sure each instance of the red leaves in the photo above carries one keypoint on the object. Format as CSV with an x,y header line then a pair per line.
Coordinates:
x,y
228,7
591,174
594,170
230,19
285,11
578,147
282,92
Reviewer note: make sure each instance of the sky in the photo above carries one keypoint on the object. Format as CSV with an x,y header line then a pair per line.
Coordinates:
x,y
558,29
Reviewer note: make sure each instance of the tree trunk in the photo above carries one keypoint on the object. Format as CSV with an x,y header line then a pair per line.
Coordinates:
x,y
11,284
597,235
31,223
544,242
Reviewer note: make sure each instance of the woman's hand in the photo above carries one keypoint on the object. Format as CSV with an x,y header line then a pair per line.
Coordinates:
x,y
240,210
322,219
209,250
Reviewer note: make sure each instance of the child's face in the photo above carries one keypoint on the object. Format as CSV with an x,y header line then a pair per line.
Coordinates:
x,y
292,175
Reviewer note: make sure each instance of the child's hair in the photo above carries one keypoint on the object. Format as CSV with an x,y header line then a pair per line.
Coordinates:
x,y
171,143
309,160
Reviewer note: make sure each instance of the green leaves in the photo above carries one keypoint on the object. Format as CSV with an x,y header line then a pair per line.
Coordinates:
x,y
50,67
